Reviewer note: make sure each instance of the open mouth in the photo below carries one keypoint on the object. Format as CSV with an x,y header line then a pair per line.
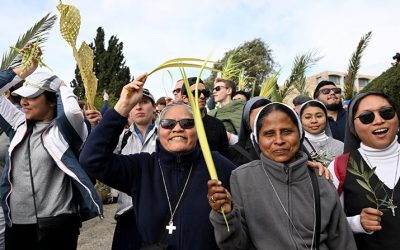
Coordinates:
x,y
380,131
177,138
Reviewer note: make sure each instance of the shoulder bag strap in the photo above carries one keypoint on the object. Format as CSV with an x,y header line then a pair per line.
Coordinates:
x,y
317,202
242,151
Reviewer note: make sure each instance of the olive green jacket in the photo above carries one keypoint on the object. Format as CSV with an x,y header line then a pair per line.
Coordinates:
x,y
230,115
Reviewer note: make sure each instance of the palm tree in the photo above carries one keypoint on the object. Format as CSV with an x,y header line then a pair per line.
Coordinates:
x,y
38,32
296,80
354,66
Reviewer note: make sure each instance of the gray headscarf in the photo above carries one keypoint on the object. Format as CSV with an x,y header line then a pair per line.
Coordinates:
x,y
351,140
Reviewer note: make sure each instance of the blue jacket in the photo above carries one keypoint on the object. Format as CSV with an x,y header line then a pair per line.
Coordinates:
x,y
139,175
62,139
338,127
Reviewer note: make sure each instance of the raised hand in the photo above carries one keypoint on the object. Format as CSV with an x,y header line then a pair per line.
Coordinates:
x,y
130,95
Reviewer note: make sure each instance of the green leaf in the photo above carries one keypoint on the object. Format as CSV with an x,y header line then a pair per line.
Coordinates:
x,y
180,65
371,173
352,171
378,186
362,167
364,185
371,199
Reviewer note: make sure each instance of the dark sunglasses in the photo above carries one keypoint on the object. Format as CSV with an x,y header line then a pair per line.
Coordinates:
x,y
170,123
178,90
327,91
205,92
367,117
218,88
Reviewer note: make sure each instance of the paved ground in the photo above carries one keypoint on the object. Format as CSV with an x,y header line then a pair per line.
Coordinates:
x,y
97,234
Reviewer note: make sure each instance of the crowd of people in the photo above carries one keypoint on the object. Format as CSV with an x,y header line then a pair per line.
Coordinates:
x,y
272,192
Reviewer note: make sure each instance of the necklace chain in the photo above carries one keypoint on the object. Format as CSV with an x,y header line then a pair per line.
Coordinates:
x,y
287,214
166,191
394,182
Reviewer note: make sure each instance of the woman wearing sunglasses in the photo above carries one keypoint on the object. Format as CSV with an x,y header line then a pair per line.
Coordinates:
x,y
367,176
169,186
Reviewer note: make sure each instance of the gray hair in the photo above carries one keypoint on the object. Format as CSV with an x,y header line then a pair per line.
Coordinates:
x,y
174,104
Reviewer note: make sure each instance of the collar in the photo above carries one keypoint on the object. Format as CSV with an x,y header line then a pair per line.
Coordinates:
x,y
393,148
139,134
184,159
288,173
316,138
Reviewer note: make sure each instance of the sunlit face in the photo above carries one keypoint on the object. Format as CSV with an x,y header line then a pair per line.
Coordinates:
x,y
313,120
178,140
380,133
177,91
38,108
279,137
143,112
331,99
221,92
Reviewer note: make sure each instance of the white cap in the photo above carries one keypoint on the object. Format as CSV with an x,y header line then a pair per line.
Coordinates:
x,y
37,83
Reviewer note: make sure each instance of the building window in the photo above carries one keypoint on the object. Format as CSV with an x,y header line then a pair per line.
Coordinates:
x,y
335,79
362,82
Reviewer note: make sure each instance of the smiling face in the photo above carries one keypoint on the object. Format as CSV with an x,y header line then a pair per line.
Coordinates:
x,y
279,137
380,133
313,120
331,100
38,108
177,139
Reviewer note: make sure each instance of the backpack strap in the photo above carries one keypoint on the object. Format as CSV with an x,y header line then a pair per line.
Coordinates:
x,y
340,166
242,151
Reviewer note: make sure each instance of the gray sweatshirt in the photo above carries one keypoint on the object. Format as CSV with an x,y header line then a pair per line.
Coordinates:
x,y
258,220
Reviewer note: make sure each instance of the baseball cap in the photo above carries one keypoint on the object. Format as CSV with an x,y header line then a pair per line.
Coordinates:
x,y
37,83
147,93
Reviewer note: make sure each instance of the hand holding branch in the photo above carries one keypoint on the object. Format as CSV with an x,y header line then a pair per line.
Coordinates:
x,y
219,196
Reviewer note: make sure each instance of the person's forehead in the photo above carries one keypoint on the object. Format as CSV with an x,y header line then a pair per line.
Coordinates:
x,y
179,84
219,84
328,86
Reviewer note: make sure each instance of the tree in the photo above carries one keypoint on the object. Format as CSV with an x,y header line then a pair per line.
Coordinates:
x,y
109,66
254,57
354,66
388,82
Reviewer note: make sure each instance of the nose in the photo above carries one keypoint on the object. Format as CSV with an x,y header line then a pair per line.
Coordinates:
x,y
278,139
177,127
378,119
23,101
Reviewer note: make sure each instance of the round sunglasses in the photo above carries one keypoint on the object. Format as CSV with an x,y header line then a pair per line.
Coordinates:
x,y
366,117
170,123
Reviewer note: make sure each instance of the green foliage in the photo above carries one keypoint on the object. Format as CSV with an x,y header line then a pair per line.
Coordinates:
x,y
38,32
354,66
388,82
254,57
109,66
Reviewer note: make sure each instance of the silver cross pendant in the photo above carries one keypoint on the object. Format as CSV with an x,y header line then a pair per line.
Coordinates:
x,y
392,207
171,227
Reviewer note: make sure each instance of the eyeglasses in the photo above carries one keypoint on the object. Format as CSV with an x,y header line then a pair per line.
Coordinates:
x,y
218,88
368,116
177,90
327,91
170,123
205,92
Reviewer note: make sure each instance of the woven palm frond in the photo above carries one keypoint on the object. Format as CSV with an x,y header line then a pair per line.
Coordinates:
x,y
85,64
70,22
38,31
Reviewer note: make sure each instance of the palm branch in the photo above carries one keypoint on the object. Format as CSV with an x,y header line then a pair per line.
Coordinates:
x,y
38,32
301,64
270,88
354,66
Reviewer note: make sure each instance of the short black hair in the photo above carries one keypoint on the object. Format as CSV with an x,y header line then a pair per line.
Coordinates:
x,y
244,93
320,85
191,81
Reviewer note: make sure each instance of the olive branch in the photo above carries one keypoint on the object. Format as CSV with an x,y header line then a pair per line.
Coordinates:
x,y
364,181
322,156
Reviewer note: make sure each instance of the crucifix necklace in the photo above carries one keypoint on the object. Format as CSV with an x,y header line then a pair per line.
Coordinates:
x,y
171,227
390,203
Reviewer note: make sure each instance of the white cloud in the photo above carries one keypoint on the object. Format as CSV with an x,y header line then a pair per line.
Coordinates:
x,y
154,31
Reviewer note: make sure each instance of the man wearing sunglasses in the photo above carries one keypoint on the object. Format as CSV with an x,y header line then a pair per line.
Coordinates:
x,y
177,91
331,97
229,111
215,130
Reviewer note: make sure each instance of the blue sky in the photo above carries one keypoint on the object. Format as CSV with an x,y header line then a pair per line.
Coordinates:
x,y
154,31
